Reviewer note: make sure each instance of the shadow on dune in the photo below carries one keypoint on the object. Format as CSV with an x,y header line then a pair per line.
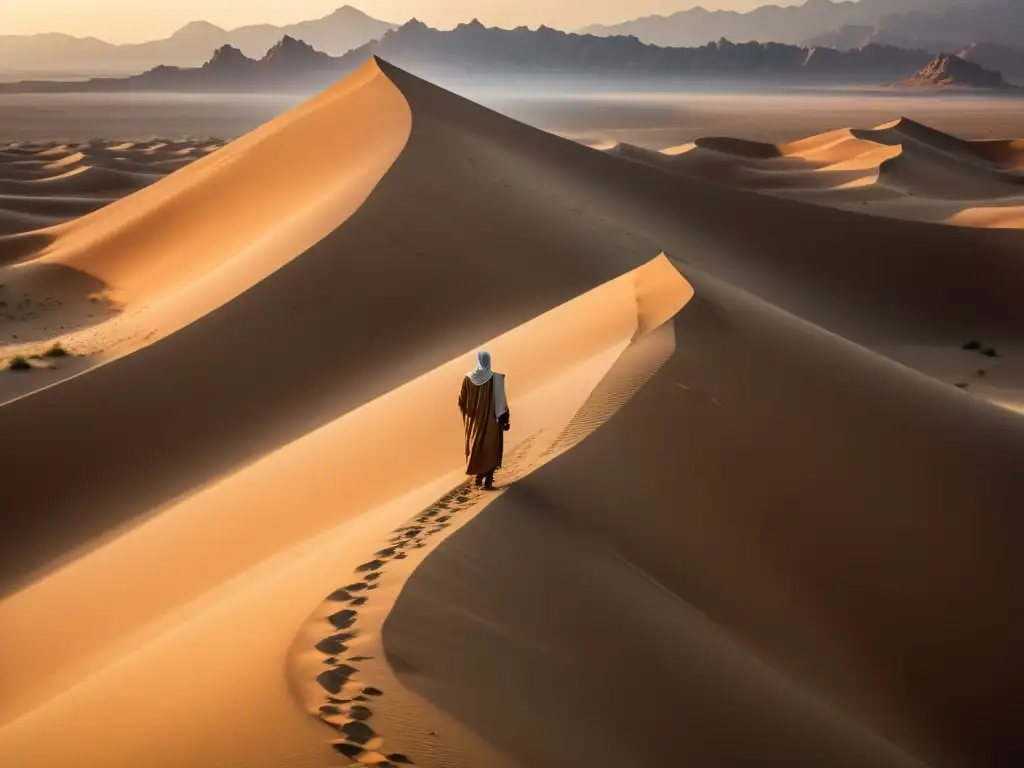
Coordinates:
x,y
370,307
15,247
41,300
783,549
479,201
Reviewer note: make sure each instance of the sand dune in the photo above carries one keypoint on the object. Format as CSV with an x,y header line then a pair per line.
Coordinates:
x,y
736,526
901,169
107,170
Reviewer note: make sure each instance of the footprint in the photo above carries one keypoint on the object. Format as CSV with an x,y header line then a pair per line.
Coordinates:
x,y
334,680
373,565
360,712
358,731
335,644
343,619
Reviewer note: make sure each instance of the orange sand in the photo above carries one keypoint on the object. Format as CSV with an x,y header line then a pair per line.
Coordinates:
x,y
735,526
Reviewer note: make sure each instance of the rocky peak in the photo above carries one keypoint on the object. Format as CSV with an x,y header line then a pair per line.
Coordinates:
x,y
291,52
947,69
228,57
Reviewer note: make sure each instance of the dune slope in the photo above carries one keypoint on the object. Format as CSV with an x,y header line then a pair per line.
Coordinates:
x,y
297,310
702,580
901,169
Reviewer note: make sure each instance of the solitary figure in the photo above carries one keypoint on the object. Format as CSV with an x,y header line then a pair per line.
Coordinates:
x,y
486,418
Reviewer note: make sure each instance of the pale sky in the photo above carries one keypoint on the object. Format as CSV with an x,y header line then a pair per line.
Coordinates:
x,y
120,21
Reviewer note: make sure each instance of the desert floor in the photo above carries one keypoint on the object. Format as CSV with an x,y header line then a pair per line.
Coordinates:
x,y
759,504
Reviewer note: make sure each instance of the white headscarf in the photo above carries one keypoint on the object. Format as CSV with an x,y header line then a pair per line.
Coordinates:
x,y
483,374
483,371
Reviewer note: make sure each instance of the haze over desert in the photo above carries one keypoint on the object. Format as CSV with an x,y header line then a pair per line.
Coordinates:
x,y
758,502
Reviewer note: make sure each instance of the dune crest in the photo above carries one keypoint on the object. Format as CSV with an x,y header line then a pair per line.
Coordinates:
x,y
901,169
179,248
558,404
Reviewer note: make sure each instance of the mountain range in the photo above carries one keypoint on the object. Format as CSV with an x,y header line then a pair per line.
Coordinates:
x,y
335,34
795,24
930,25
953,28
472,51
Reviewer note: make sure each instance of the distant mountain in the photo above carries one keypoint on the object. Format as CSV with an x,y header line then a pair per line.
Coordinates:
x,y
335,34
949,71
769,23
472,51
292,54
994,21
473,48
1008,60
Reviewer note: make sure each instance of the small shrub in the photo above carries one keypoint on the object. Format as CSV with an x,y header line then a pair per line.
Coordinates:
x,y
971,345
56,351
961,385
981,373
990,352
19,363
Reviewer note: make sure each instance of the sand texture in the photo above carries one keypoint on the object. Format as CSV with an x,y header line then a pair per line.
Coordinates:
x,y
902,169
759,504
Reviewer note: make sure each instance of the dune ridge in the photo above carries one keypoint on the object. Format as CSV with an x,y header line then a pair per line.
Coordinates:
x,y
902,169
153,271
550,403
750,517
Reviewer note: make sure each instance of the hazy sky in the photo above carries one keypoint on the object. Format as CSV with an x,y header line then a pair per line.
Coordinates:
x,y
135,20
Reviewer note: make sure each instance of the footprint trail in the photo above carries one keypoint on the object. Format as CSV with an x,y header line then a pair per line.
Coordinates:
x,y
347,702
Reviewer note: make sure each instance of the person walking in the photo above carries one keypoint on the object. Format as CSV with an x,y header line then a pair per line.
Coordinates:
x,y
485,415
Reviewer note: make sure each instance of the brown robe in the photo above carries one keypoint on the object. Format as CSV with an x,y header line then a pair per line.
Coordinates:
x,y
485,435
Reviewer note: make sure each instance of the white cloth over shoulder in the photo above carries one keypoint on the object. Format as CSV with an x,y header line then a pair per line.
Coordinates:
x,y
500,401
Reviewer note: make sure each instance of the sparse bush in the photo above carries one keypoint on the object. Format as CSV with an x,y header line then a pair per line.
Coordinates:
x,y
971,345
990,352
961,385
56,351
19,363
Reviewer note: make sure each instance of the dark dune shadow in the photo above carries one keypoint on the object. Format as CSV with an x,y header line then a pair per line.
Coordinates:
x,y
14,248
518,618
65,206
844,521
